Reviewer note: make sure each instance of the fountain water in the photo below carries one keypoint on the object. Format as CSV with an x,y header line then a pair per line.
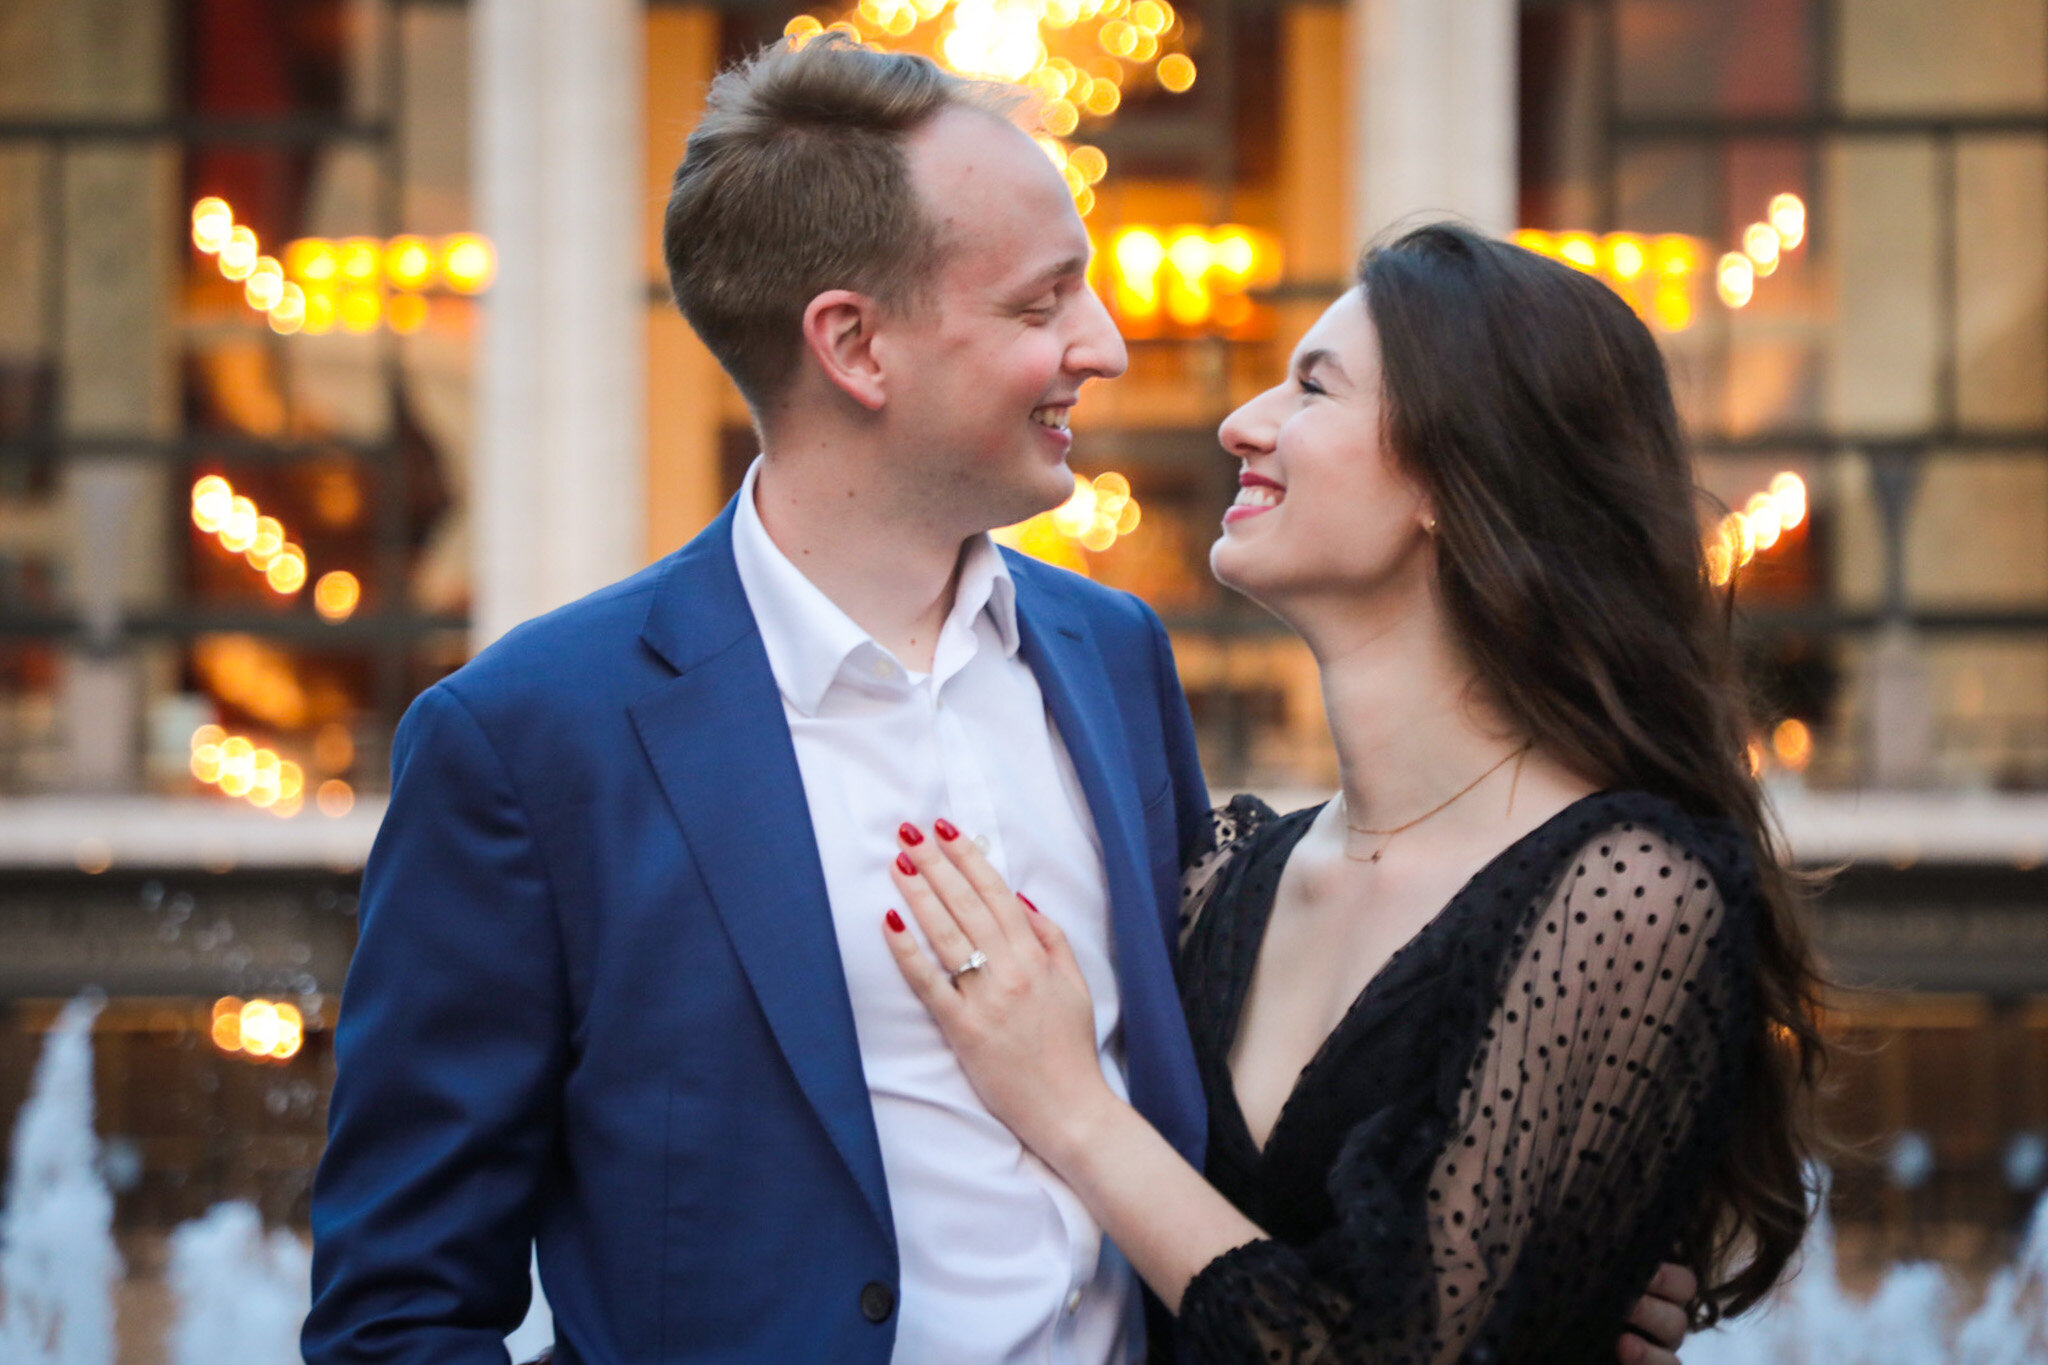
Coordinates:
x,y
1811,1320
242,1293
58,1265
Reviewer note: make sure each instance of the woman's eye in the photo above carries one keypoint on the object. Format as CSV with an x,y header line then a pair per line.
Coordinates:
x,y
1310,386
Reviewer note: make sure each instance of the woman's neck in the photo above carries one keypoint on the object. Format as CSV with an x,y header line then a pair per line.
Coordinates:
x,y
1414,726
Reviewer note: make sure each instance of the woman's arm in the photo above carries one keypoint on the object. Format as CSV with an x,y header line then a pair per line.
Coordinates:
x,y
1023,1029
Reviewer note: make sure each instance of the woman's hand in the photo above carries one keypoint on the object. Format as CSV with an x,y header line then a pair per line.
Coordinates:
x,y
1022,1022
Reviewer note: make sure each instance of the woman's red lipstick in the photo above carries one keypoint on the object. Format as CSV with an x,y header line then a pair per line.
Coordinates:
x,y
1238,511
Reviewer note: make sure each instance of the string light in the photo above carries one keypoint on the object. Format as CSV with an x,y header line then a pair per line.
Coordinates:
x,y
1658,275
241,768
1792,744
336,595
266,1030
317,283
1764,518
1076,54
1193,277
1098,513
241,529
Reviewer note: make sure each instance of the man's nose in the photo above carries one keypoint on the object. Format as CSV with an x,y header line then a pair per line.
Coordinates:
x,y
1097,348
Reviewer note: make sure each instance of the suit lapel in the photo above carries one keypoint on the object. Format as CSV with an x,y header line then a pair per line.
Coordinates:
x,y
1057,643
721,749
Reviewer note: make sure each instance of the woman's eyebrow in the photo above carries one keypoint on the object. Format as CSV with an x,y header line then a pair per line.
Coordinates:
x,y
1327,359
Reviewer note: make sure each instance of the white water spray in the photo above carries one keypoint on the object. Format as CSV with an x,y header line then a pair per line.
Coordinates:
x,y
58,1264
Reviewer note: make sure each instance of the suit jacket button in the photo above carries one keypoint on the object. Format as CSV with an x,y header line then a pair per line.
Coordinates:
x,y
877,1301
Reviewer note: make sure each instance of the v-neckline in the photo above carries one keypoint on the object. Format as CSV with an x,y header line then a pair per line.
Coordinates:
x,y
1283,849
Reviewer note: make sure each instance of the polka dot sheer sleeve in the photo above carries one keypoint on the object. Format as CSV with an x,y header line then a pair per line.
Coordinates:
x,y
1515,1206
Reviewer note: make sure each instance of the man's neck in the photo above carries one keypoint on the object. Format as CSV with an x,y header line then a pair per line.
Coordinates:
x,y
894,578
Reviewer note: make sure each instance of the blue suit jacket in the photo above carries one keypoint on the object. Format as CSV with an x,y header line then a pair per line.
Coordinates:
x,y
597,1000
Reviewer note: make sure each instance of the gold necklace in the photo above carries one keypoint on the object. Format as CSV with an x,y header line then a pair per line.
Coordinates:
x,y
1388,834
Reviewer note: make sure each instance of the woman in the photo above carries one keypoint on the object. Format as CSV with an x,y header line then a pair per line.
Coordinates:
x,y
1523,1008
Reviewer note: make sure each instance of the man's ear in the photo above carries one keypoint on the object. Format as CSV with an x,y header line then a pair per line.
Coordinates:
x,y
839,332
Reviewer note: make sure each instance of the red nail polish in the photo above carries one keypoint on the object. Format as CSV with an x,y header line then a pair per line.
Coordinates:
x,y
905,866
910,834
895,922
1027,903
944,829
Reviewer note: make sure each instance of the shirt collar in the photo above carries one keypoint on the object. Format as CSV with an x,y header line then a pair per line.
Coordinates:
x,y
808,638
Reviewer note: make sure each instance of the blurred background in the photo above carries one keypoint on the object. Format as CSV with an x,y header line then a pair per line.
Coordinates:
x,y
334,340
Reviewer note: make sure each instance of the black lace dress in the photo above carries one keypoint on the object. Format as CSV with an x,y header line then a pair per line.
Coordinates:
x,y
1489,1156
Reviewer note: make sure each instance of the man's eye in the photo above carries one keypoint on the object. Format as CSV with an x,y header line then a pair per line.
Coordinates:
x,y
1310,386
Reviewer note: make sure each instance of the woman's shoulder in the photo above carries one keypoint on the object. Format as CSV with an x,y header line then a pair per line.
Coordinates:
x,y
1646,850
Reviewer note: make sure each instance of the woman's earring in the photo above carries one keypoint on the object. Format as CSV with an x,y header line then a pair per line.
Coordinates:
x,y
1429,526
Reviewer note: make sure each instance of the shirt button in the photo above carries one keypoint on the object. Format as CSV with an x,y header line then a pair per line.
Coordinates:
x,y
881,668
981,842
1074,1302
877,1301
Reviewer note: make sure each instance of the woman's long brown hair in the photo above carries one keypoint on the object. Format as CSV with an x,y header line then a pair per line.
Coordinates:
x,y
1534,409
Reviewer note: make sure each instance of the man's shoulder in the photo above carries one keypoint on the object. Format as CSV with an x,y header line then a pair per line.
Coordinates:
x,y
1104,607
590,646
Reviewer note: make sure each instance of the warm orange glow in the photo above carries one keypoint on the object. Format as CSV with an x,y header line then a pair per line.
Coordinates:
x,y
1189,273
238,254
357,260
238,528
1762,515
269,540
265,285
333,748
360,309
336,595
1176,72
408,262
286,573
1763,519
1788,491
212,222
1090,162
1792,742
467,263
288,314
227,1023
311,260
206,762
1735,279
319,312
212,500
273,1030
406,313
1788,216
1624,254
1754,753
1580,250
335,798
1761,244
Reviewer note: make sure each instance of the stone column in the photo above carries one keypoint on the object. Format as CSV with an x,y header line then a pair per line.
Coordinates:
x,y
558,472
1432,103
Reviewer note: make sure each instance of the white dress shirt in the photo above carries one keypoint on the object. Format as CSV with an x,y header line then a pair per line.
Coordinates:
x,y
1000,1261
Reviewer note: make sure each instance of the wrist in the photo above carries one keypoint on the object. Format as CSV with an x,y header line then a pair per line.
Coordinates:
x,y
1084,1128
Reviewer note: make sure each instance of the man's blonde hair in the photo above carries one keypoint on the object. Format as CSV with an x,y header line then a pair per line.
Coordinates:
x,y
795,182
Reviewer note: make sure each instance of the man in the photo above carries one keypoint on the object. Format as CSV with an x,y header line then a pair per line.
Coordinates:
x,y
621,987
